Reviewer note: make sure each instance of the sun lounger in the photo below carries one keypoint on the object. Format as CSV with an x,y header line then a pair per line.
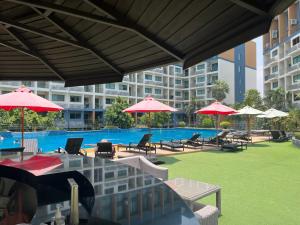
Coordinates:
x,y
105,150
277,136
234,146
73,146
286,135
31,145
194,141
241,135
143,145
171,145
221,138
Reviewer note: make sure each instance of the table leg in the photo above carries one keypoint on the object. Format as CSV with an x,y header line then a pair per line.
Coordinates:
x,y
218,201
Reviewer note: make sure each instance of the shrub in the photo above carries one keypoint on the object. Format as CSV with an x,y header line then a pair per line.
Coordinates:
x,y
207,123
297,135
225,124
181,124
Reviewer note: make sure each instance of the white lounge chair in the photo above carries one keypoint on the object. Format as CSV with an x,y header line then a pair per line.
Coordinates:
x,y
31,145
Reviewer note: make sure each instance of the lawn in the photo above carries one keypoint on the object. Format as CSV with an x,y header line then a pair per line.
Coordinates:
x,y
260,186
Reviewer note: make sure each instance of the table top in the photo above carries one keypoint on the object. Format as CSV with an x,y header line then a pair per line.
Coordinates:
x,y
192,190
109,192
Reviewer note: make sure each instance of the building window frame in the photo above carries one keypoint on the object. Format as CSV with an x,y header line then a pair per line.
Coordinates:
x,y
297,80
148,90
147,76
201,69
298,60
294,38
274,71
277,84
272,52
296,96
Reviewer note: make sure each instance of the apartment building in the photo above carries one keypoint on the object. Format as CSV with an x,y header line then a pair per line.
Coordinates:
x,y
282,53
169,84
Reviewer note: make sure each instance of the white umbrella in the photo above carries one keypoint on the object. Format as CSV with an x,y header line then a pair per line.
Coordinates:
x,y
273,113
248,111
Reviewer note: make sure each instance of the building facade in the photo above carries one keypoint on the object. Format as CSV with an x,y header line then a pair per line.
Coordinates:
x,y
282,53
169,84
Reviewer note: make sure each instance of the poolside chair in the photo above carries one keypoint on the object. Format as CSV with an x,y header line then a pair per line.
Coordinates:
x,y
31,146
221,138
143,145
286,135
241,135
171,145
73,146
277,137
234,146
105,150
194,141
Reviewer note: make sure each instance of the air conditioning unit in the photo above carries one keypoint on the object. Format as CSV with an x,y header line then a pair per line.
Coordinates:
x,y
274,33
293,21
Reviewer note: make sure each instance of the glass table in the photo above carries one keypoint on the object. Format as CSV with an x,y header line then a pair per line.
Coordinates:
x,y
108,193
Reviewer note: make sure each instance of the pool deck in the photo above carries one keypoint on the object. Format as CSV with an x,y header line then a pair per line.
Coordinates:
x,y
122,153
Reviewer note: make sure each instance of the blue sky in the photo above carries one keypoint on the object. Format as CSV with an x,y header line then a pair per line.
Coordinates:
x,y
259,64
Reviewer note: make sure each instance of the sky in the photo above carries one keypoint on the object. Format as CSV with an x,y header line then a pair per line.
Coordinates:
x,y
259,64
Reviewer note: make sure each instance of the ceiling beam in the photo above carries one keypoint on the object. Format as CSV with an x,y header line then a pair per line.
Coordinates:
x,y
34,51
93,4
123,23
61,39
21,50
250,7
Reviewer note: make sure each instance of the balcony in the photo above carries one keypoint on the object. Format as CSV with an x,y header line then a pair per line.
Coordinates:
x,y
293,67
88,88
294,86
58,87
271,76
75,106
293,49
77,89
11,83
98,106
271,60
116,92
42,84
152,82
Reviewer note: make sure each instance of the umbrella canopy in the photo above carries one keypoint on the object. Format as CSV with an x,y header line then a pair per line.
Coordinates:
x,y
273,113
216,108
248,110
148,105
24,98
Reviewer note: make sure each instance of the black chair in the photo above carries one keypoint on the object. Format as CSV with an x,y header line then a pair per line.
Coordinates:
x,y
277,137
73,146
194,141
233,146
241,135
143,145
221,137
172,145
285,135
105,150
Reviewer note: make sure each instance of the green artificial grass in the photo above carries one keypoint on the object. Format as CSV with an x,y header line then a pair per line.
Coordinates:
x,y
260,185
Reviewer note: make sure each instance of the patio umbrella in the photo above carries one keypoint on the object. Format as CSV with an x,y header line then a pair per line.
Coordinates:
x,y
149,105
248,111
24,98
216,109
273,113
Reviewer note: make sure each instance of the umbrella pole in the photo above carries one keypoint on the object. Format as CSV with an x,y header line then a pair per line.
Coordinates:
x,y
217,127
248,126
22,130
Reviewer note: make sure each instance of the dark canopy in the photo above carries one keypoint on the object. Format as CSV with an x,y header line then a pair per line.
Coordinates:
x,y
93,41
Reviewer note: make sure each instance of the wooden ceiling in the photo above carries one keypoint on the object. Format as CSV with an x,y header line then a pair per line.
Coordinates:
x,y
84,42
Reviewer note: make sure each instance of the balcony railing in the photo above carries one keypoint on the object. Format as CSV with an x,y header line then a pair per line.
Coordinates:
x,y
294,86
293,67
271,60
80,89
271,76
116,92
58,87
11,83
292,49
153,82
42,84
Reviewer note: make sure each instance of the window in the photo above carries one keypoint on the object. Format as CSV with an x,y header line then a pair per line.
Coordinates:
x,y
110,86
239,69
296,97
75,98
296,59
58,98
109,101
177,93
123,87
200,92
75,115
109,175
148,90
214,67
239,56
177,81
178,69
200,79
214,79
295,40
158,78
274,53
296,78
178,105
200,67
157,91
122,187
275,85
274,69
148,77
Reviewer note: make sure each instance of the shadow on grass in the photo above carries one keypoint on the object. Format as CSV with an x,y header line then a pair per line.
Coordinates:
x,y
219,151
258,145
169,159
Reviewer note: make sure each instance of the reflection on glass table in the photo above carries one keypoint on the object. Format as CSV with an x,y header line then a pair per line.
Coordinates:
x,y
108,192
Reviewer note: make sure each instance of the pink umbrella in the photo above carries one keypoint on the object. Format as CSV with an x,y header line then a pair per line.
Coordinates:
x,y
217,109
24,98
149,105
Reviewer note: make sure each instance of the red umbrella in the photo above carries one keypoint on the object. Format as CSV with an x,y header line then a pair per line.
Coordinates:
x,y
24,98
217,109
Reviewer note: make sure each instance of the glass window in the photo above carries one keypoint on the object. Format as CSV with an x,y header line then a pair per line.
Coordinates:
x,y
110,86
296,78
178,69
177,81
178,105
58,98
177,93
200,67
214,67
148,90
122,187
75,115
239,56
109,175
200,92
109,100
148,77
296,96
275,84
123,87
75,98
214,79
274,53
295,40
200,79
274,69
158,78
239,69
296,59
157,91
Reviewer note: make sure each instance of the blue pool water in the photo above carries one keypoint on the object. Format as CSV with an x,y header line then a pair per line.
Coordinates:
x,y
51,140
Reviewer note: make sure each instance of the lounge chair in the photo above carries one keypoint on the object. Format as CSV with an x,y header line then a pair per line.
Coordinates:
x,y
234,146
31,146
105,150
143,145
220,136
277,137
241,135
73,146
286,135
194,141
171,145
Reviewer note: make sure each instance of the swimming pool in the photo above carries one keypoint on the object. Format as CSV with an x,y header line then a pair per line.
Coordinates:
x,y
51,140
